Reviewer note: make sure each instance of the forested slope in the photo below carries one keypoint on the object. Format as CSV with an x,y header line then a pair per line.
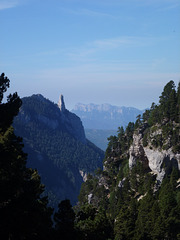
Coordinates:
x,y
61,156
139,187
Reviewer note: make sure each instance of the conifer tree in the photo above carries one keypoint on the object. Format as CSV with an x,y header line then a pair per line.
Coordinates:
x,y
168,210
143,219
178,103
23,212
168,100
93,223
125,221
64,221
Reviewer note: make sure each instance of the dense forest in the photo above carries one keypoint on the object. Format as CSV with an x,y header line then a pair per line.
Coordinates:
x,y
136,203
118,202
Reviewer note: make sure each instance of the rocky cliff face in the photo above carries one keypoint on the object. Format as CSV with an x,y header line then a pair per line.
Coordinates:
x,y
154,158
133,157
71,121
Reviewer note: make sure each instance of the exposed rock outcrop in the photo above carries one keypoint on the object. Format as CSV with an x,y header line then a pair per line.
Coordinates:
x,y
61,104
83,175
156,159
136,151
71,121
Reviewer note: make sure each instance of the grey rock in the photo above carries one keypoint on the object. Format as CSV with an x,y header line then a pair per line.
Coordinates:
x,y
153,158
83,175
61,104
90,198
71,121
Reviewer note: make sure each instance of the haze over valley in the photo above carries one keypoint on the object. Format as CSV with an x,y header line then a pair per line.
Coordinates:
x,y
102,121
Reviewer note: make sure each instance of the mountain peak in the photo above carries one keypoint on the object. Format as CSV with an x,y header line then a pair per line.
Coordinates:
x,y
61,103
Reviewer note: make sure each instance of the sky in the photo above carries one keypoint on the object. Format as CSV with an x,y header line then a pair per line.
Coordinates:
x,y
121,52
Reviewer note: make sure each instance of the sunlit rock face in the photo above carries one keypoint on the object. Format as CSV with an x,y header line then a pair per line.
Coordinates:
x,y
61,104
154,158
136,151
83,175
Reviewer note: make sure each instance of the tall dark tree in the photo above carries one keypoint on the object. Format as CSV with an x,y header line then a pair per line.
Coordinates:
x,y
143,220
93,223
64,221
168,100
125,221
168,210
178,103
164,98
4,84
23,212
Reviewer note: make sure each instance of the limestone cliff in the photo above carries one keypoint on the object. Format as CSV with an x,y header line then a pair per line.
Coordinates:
x,y
71,121
156,159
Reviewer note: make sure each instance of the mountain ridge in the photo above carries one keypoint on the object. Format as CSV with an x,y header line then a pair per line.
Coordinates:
x,y
101,107
105,116
54,139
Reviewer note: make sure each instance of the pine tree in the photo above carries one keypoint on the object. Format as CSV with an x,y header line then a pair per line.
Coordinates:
x,y
23,212
143,219
64,221
172,105
125,221
178,104
168,100
168,210
93,223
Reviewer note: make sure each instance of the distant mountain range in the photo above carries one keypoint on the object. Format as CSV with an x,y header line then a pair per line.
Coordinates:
x,y
55,141
105,116
101,121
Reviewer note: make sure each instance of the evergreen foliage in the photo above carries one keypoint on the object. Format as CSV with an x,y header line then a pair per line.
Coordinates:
x,y
163,118
92,223
23,212
136,206
64,221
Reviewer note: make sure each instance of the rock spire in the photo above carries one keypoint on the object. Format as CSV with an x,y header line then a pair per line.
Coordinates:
x,y
61,103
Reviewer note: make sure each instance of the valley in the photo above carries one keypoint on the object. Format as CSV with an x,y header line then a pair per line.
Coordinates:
x,y
55,183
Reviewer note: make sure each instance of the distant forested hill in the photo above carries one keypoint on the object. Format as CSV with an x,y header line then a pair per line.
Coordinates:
x,y
55,141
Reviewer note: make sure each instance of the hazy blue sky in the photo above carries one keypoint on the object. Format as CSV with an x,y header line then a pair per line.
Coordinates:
x,y
120,52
